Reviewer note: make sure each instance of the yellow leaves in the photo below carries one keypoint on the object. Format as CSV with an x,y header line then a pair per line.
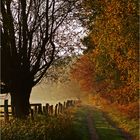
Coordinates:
x,y
83,72
131,53
96,52
122,78
125,94
131,7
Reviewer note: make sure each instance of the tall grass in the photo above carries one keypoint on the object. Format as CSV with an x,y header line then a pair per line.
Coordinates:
x,y
41,128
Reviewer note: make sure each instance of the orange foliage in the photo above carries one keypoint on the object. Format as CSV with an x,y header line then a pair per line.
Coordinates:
x,y
111,68
131,110
83,72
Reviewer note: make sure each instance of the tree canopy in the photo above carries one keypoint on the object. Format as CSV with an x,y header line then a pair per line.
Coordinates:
x,y
111,63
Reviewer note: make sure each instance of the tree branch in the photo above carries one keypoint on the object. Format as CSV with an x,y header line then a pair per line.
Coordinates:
x,y
48,65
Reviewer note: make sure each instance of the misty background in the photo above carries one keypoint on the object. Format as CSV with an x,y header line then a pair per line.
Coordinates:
x,y
53,93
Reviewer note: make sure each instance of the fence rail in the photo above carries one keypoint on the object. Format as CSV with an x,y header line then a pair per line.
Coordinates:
x,y
38,108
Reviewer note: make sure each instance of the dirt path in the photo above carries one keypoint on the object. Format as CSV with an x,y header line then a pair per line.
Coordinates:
x,y
92,124
92,131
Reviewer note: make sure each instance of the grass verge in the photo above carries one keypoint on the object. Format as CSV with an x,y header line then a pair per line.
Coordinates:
x,y
104,129
129,126
42,128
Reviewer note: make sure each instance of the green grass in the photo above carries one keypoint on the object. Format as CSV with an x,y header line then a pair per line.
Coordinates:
x,y
80,127
104,129
72,125
130,126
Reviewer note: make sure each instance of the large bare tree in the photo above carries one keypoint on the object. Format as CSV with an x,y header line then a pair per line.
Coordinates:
x,y
28,47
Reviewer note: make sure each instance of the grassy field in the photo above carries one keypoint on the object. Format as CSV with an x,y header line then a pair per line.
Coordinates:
x,y
72,125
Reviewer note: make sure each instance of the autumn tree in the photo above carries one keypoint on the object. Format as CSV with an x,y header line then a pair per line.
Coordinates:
x,y
29,34
113,45
83,71
116,37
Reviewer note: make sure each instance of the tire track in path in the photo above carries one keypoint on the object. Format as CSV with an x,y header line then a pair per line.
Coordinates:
x,y
92,130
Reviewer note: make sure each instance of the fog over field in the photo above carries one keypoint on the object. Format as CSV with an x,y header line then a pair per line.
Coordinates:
x,y
54,93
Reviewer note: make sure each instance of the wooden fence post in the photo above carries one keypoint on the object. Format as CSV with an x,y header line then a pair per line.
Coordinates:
x,y
44,109
51,110
35,108
40,109
67,104
56,109
13,110
60,108
6,115
47,109
32,114
64,105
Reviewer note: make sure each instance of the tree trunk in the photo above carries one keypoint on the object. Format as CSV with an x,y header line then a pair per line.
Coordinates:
x,y
20,102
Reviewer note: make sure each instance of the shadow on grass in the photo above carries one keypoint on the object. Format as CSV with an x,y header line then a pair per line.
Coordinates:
x,y
108,134
104,129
